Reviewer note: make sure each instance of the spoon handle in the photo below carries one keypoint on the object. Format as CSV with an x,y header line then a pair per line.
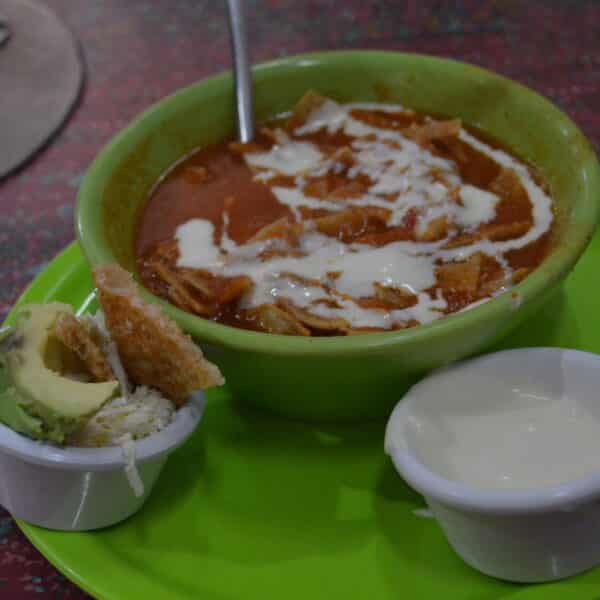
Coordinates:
x,y
243,79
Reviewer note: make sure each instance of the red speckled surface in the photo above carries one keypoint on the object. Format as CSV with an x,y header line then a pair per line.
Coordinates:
x,y
139,51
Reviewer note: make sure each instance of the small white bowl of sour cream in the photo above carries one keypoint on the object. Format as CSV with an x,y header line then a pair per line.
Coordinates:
x,y
81,489
505,449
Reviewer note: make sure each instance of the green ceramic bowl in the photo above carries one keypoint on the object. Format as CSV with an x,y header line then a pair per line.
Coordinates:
x,y
359,377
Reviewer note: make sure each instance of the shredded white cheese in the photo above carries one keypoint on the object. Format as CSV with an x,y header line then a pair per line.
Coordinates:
x,y
124,420
142,413
131,472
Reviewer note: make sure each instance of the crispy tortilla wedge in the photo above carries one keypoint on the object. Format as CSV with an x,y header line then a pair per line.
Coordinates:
x,y
75,336
153,350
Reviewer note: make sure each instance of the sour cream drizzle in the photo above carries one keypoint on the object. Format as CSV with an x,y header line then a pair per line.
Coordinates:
x,y
402,179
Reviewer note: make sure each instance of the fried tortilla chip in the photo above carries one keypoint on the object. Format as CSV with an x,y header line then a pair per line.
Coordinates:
x,y
272,319
199,281
463,239
178,294
309,102
338,187
460,276
77,338
344,155
396,298
244,147
352,189
436,229
317,187
352,222
505,231
365,330
433,130
271,253
233,288
314,321
381,238
268,134
493,277
153,350
197,174
520,274
166,252
508,186
283,229
384,119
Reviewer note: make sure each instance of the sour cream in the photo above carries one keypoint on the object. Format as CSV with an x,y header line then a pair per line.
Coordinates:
x,y
515,420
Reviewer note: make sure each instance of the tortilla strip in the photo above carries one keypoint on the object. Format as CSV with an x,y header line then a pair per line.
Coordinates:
x,y
314,321
364,330
437,229
197,174
272,319
338,188
432,130
508,186
392,234
233,288
199,281
505,231
347,224
460,276
75,336
492,279
282,228
396,298
268,134
177,292
270,253
463,239
242,148
344,155
166,251
307,104
520,274
352,189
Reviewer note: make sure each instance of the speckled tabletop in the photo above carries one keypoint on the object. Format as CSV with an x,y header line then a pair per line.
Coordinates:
x,y
137,52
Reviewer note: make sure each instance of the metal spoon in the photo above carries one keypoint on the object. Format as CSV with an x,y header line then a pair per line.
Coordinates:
x,y
242,75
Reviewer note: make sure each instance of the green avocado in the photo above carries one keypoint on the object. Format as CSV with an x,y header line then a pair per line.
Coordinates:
x,y
36,398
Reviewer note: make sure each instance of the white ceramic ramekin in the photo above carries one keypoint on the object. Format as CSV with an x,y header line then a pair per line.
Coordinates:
x,y
532,535
80,489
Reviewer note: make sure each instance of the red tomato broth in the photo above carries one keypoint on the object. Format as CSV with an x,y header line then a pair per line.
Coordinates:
x,y
217,179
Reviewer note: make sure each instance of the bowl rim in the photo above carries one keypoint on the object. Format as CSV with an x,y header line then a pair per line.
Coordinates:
x,y
566,496
71,458
585,211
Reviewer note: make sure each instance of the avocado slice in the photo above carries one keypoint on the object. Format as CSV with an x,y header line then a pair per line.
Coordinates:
x,y
36,398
